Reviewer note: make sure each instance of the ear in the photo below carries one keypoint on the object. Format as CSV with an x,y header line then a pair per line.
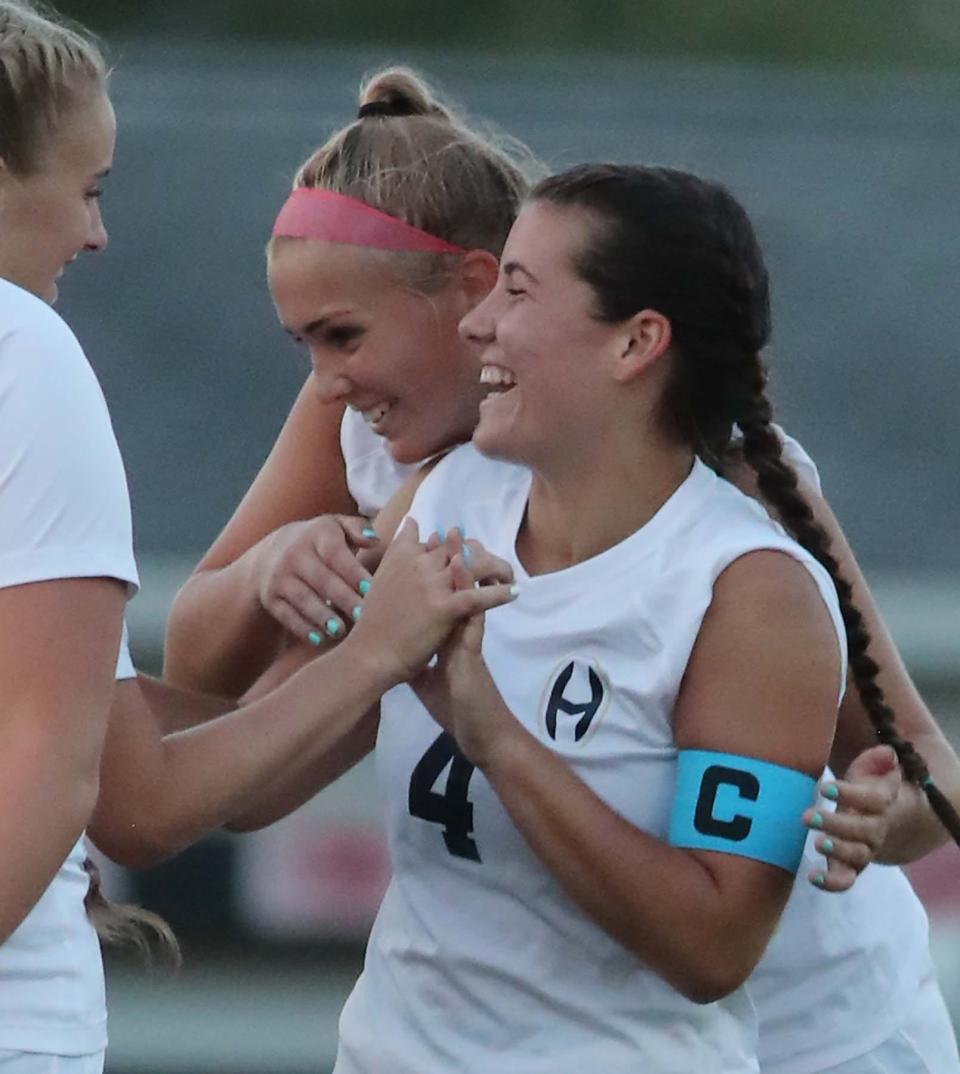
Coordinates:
x,y
640,343
477,275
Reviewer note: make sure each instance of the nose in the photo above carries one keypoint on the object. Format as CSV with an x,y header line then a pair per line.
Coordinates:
x,y
478,326
97,238
332,387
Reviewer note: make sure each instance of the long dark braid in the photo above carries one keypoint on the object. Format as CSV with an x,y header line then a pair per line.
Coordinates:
x,y
670,241
777,482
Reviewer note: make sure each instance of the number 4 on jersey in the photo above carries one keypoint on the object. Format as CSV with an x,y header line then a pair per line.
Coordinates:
x,y
451,809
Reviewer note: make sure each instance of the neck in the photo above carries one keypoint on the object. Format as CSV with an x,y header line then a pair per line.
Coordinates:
x,y
594,501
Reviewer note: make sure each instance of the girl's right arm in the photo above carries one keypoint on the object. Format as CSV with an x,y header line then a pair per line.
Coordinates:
x,y
160,793
58,656
220,637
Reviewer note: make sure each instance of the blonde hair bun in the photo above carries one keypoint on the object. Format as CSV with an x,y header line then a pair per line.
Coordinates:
x,y
403,92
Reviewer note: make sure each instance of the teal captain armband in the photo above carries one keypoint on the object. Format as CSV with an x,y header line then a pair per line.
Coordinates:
x,y
739,805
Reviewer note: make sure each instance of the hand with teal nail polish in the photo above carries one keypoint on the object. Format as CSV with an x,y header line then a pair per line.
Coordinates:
x,y
418,600
866,798
307,568
853,834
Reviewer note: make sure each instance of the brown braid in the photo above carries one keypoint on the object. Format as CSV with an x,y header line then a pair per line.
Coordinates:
x,y
123,924
678,244
778,484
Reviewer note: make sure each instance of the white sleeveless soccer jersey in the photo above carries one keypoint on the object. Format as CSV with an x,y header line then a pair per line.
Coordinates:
x,y
478,961
373,475
842,972
64,513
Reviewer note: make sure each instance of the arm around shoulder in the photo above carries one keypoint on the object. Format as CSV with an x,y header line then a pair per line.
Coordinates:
x,y
219,636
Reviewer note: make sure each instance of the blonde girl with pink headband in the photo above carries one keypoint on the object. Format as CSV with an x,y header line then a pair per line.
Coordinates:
x,y
392,383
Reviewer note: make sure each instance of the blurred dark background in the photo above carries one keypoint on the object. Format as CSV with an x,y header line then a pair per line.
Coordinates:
x,y
836,123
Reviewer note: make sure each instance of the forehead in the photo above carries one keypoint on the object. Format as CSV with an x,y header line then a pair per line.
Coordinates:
x,y
84,140
546,237
309,276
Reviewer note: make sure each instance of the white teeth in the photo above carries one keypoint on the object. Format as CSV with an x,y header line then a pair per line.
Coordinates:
x,y
376,413
496,374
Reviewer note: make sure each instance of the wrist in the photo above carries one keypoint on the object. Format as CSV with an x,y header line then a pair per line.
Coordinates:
x,y
374,665
508,746
254,565
913,829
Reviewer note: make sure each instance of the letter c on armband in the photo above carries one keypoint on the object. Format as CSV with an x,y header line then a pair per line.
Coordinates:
x,y
739,805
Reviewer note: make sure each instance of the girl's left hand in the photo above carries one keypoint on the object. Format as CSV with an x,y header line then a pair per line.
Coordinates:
x,y
459,691
418,595
852,836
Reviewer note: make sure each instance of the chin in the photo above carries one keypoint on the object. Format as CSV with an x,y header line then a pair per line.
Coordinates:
x,y
406,452
416,449
487,442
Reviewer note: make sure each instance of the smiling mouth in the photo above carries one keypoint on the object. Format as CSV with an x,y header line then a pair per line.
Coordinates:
x,y
497,379
373,415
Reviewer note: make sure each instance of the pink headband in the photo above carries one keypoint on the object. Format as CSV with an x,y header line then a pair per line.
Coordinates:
x,y
310,213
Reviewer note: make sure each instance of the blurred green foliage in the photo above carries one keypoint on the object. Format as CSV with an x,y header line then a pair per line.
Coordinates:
x,y
832,33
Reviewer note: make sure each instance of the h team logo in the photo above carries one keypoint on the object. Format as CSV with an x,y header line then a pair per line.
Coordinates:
x,y
574,701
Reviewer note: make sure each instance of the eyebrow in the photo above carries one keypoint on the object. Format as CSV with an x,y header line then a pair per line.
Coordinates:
x,y
514,266
313,326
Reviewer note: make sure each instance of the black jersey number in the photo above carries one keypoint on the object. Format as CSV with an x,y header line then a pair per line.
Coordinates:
x,y
451,809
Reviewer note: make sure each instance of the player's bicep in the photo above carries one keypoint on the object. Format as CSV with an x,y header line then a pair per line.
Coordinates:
x,y
753,724
58,660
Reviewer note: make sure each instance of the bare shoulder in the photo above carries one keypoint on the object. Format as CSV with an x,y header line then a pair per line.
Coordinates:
x,y
764,675
393,512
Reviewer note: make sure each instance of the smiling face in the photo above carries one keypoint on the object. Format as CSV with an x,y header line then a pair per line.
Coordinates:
x,y
378,345
50,215
542,350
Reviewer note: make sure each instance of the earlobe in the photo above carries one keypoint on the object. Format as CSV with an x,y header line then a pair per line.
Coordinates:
x,y
644,338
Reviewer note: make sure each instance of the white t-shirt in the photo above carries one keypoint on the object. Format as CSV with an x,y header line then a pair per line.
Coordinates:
x,y
841,971
478,960
64,513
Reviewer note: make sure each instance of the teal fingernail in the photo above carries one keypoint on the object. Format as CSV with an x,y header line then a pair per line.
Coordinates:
x,y
364,587
467,554
818,880
816,821
314,637
333,627
826,846
462,529
356,612
369,531
831,791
